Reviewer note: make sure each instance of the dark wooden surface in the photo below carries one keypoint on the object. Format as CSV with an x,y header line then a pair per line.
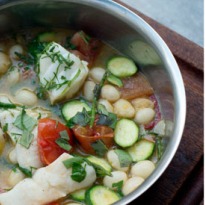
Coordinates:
x,y
182,182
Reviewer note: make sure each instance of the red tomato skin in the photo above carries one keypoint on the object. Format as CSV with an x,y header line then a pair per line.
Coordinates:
x,y
48,133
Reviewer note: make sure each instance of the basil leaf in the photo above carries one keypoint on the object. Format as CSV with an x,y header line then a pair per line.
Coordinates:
x,y
69,162
64,135
109,120
63,143
25,122
25,171
78,172
26,139
124,158
5,127
81,118
99,147
118,186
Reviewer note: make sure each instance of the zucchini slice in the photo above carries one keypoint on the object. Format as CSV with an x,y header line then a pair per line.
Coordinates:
x,y
114,80
72,107
121,66
47,37
78,195
126,133
101,166
141,150
100,195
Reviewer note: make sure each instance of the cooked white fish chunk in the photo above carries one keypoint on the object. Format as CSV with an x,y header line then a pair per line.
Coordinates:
x,y
61,73
48,184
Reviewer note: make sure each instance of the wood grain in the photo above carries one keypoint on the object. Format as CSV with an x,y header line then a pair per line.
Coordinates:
x,y
182,182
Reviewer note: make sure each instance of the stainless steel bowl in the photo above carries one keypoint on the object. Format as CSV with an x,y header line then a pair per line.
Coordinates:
x,y
126,32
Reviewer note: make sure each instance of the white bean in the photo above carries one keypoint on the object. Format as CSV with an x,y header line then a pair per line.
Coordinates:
x,y
123,108
15,49
114,161
110,93
144,115
15,177
4,63
12,156
97,74
140,103
142,169
88,90
131,184
13,76
26,97
107,104
115,177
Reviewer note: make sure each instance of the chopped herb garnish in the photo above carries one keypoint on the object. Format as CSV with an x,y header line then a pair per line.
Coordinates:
x,y
69,162
81,118
26,124
25,58
118,187
110,120
25,171
62,141
124,158
5,127
78,172
69,45
99,147
97,91
85,37
7,105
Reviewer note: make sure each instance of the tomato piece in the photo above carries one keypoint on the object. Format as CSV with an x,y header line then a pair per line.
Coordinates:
x,y
135,86
53,203
87,135
88,47
48,132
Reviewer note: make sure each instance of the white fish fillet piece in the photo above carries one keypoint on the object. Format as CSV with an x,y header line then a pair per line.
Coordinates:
x,y
48,184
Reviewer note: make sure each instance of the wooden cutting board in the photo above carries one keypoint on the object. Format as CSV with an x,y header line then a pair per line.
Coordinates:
x,y
182,182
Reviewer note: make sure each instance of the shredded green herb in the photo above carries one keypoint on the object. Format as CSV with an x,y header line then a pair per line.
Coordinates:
x,y
26,124
78,172
25,171
124,158
118,187
85,37
69,162
99,147
62,141
5,127
7,105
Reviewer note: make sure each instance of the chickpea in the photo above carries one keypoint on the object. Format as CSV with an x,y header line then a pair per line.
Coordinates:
x,y
131,184
142,169
13,76
4,63
88,90
97,74
12,156
144,116
26,97
107,104
140,103
15,49
114,161
115,177
123,108
110,93
15,177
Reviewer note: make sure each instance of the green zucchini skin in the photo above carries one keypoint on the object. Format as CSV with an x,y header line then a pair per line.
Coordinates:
x,y
100,195
126,133
72,107
121,66
141,150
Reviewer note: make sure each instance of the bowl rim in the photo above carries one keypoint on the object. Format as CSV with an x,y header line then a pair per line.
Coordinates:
x,y
138,24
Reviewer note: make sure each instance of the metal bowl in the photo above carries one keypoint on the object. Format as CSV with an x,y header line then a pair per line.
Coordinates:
x,y
128,33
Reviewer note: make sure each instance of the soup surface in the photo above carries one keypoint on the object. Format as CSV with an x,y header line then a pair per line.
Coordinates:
x,y
79,122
